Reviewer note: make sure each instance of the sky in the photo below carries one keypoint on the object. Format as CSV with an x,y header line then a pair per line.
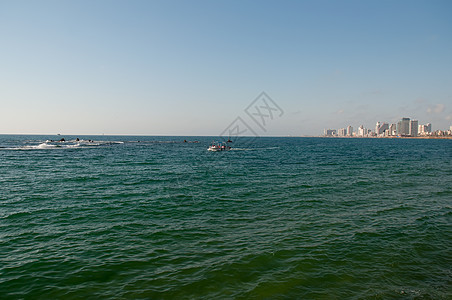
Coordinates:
x,y
193,67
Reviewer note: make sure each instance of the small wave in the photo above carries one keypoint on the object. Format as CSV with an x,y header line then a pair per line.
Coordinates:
x,y
443,193
17,214
393,209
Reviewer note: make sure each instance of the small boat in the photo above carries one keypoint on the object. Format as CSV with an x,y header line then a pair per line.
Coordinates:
x,y
218,147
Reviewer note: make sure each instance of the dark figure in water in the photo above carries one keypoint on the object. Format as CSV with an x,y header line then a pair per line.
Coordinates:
x,y
185,141
62,140
77,139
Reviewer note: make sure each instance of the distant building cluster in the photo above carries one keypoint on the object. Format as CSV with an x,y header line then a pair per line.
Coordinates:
x,y
403,128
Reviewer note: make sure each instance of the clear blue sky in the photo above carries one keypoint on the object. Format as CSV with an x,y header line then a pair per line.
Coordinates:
x,y
192,67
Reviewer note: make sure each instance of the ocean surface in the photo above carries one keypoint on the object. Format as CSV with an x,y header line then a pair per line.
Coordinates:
x,y
124,217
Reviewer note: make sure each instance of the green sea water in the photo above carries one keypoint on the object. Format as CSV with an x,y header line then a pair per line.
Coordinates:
x,y
276,218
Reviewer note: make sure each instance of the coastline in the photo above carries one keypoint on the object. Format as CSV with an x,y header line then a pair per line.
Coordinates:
x,y
391,137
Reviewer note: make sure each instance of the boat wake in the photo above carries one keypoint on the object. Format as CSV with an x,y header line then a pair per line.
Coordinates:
x,y
254,149
49,144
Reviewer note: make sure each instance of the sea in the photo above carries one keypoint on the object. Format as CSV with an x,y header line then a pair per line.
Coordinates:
x,y
159,217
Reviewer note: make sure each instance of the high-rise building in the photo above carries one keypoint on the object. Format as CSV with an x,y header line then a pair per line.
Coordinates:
x,y
329,132
414,125
425,129
380,128
393,129
350,130
342,132
421,130
387,133
362,131
403,127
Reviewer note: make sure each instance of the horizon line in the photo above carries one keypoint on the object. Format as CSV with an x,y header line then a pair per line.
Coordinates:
x,y
176,135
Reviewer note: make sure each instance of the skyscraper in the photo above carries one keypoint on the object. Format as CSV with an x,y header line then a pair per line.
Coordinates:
x,y
403,127
414,126
362,131
329,132
393,129
425,129
381,127
342,132
349,130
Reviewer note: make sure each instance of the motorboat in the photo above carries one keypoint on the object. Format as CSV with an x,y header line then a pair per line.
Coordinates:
x,y
218,147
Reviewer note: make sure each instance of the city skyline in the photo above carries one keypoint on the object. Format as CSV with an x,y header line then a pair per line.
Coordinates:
x,y
405,127
191,68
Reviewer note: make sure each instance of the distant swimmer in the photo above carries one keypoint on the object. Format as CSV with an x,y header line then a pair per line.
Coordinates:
x,y
185,141
77,139
62,140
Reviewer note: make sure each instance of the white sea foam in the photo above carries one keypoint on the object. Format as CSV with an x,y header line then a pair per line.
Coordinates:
x,y
49,144
44,146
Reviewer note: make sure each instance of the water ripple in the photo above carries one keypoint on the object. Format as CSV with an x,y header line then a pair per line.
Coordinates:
x,y
293,218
